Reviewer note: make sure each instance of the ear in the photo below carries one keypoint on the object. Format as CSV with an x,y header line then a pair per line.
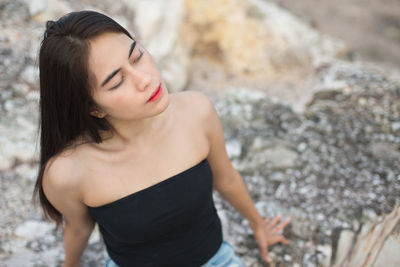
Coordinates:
x,y
95,112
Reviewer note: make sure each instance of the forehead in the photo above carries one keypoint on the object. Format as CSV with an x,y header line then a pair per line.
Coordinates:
x,y
107,52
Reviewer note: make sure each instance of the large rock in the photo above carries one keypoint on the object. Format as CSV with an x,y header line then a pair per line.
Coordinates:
x,y
377,244
256,40
269,153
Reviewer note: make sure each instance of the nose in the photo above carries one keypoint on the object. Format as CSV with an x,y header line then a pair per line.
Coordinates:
x,y
140,78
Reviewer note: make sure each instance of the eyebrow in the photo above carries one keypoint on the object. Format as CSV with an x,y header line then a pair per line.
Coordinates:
x,y
131,49
109,77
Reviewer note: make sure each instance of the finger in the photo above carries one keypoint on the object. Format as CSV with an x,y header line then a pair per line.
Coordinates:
x,y
283,240
263,249
275,220
278,239
281,225
263,246
265,255
267,220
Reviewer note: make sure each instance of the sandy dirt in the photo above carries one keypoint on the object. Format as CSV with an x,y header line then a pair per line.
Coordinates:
x,y
371,28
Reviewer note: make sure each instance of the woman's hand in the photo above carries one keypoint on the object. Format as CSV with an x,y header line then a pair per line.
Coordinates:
x,y
269,233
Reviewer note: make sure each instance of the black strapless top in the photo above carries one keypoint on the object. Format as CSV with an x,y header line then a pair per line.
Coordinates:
x,y
172,223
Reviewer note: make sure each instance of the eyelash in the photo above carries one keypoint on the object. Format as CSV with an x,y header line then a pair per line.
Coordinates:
x,y
123,77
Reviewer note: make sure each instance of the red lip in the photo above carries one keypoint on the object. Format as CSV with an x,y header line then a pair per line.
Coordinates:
x,y
155,94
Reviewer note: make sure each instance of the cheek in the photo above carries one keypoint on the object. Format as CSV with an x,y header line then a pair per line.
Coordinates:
x,y
119,99
116,101
122,100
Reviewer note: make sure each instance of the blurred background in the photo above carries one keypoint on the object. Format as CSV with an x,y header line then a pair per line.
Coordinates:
x,y
309,96
369,28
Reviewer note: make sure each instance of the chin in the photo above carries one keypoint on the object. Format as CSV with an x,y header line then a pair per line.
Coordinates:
x,y
163,105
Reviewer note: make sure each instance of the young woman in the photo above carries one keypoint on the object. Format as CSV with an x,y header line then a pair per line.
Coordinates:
x,y
118,150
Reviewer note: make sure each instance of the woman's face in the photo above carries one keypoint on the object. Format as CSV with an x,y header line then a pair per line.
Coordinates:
x,y
127,84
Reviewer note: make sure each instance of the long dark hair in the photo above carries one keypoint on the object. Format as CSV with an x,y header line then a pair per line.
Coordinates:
x,y
65,91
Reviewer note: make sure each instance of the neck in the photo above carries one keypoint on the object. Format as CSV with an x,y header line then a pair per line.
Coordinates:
x,y
136,134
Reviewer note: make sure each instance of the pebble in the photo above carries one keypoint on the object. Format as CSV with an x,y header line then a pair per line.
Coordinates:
x,y
9,105
33,229
287,257
395,126
233,148
30,75
301,147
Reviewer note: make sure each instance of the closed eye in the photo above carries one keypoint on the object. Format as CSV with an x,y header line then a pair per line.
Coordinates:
x,y
139,57
116,86
122,78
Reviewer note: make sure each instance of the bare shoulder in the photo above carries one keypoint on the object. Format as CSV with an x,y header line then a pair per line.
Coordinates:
x,y
62,171
62,183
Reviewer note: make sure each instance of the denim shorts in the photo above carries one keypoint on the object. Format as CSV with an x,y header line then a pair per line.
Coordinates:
x,y
225,257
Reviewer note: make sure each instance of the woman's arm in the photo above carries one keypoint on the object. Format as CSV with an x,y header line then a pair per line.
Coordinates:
x,y
229,183
62,189
76,236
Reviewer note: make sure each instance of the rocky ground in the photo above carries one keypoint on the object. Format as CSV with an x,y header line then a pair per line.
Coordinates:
x,y
334,167
331,164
